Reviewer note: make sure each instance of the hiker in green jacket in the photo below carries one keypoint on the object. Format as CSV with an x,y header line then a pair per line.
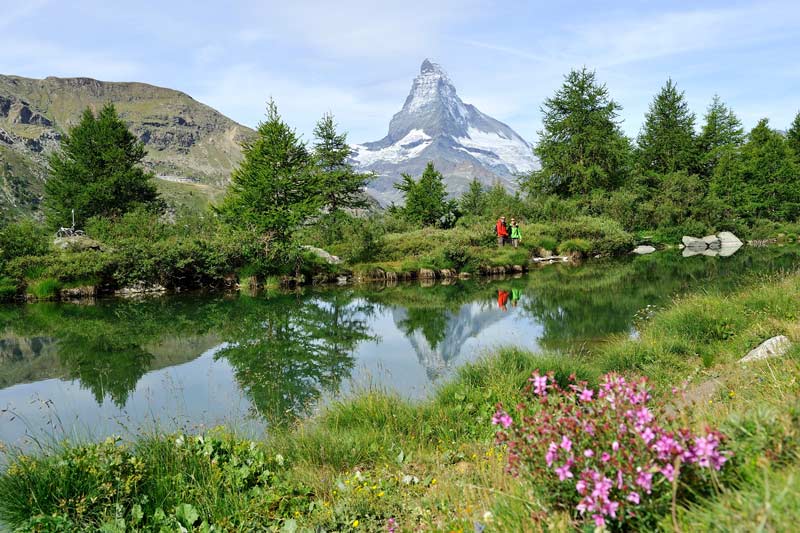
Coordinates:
x,y
516,235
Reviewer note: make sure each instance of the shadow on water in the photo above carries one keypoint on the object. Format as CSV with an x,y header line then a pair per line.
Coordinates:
x,y
279,354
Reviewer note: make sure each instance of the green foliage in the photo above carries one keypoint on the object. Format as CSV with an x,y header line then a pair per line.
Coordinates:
x,y
666,143
721,131
22,238
97,171
45,289
761,180
581,146
426,201
473,202
793,136
605,236
275,189
338,184
8,289
575,246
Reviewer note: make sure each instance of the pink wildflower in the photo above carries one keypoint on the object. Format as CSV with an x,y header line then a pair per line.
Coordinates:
x,y
581,486
502,418
647,434
539,384
563,472
552,454
566,443
599,521
633,497
606,457
615,446
669,472
588,452
586,395
644,479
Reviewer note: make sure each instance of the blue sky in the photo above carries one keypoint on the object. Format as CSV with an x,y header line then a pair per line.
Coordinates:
x,y
357,58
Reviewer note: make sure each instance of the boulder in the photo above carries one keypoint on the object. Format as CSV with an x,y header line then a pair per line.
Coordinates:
x,y
774,347
694,243
644,249
726,238
77,293
141,288
426,273
79,243
712,242
322,254
728,250
691,252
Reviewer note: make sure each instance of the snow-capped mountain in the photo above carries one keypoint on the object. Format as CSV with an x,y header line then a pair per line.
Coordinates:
x,y
435,125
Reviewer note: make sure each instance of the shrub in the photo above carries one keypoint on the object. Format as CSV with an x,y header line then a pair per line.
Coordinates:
x,y
46,289
8,289
22,238
575,246
606,235
605,454
545,243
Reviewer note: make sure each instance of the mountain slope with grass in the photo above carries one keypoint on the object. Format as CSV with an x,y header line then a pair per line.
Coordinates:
x,y
187,142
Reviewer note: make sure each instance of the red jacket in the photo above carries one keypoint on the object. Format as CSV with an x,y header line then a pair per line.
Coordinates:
x,y
501,229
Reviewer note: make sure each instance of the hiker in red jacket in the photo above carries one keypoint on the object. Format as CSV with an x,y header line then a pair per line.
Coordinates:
x,y
501,230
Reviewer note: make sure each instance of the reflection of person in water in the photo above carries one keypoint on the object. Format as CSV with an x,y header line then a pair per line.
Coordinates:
x,y
502,299
515,295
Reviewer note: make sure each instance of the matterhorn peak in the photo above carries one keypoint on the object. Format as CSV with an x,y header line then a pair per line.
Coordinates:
x,y
435,125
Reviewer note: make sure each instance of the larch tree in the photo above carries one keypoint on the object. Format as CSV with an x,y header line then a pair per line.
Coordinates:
x,y
581,146
667,141
98,171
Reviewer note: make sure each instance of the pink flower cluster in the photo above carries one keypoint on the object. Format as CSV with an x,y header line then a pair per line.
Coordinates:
x,y
617,451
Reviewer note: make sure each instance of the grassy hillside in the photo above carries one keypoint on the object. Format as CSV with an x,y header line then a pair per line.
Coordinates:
x,y
184,138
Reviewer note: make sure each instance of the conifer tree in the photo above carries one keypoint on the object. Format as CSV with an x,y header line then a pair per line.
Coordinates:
x,y
425,200
581,146
97,171
274,190
762,180
473,202
793,136
340,186
667,140
721,131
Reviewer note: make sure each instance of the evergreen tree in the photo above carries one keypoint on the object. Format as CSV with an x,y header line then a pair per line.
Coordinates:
x,y
340,186
97,171
425,200
722,131
793,136
473,202
581,146
274,190
667,140
762,180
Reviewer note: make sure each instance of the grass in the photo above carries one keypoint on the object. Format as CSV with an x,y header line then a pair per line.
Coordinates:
x,y
432,464
45,289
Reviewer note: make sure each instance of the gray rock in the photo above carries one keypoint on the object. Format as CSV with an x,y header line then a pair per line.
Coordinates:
x,y
694,243
712,242
322,254
140,288
691,252
80,243
727,238
644,249
774,347
728,250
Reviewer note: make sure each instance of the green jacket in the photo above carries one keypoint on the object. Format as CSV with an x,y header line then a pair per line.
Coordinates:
x,y
515,233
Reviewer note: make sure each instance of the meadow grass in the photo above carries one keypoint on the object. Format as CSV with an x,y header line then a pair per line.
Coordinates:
x,y
432,464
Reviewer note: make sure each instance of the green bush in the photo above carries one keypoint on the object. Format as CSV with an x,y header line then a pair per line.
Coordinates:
x,y
8,289
605,235
22,238
546,243
573,246
45,289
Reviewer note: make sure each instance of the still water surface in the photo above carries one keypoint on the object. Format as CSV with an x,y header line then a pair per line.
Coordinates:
x,y
120,366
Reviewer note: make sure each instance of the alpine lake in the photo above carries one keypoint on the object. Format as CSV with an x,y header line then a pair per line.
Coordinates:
x,y
88,370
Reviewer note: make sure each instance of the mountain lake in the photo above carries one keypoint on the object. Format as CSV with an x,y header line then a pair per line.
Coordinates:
x,y
117,366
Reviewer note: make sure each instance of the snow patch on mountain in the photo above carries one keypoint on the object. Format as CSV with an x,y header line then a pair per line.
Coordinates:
x,y
495,148
408,147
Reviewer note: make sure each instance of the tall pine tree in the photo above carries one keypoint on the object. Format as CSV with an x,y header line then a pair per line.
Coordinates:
x,y
581,146
425,200
97,171
340,186
473,202
667,140
721,131
274,190
762,180
793,136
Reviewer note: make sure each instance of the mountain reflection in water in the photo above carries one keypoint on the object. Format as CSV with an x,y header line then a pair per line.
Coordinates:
x,y
114,365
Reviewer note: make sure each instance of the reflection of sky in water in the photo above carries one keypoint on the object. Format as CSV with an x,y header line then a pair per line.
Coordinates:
x,y
204,391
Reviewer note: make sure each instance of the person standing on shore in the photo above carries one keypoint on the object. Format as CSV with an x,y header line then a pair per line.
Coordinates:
x,y
516,234
501,230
